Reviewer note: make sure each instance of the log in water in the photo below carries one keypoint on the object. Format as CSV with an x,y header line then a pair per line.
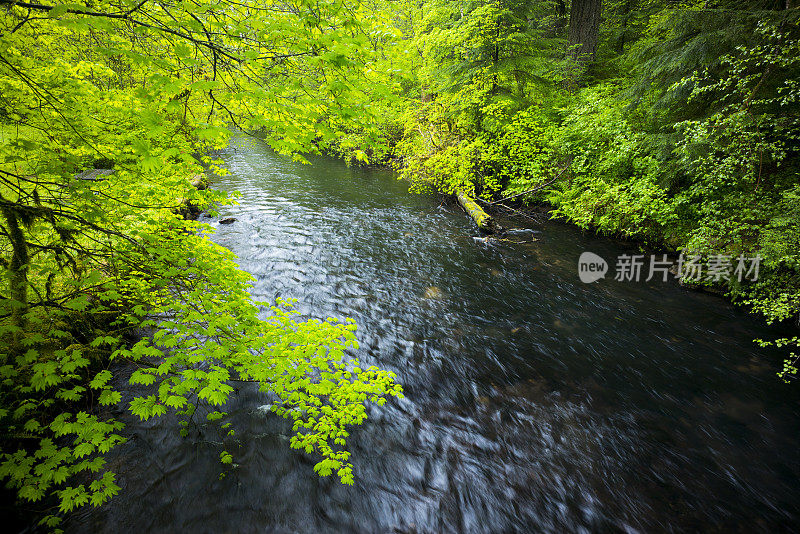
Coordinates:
x,y
484,221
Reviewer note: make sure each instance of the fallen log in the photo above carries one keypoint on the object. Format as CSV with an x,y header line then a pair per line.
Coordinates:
x,y
484,221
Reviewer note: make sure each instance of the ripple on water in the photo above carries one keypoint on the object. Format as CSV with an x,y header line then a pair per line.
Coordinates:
x,y
533,402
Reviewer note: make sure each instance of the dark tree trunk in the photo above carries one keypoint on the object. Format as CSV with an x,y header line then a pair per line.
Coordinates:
x,y
584,27
17,271
627,11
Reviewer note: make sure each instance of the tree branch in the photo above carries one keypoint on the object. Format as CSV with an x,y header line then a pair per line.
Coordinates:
x,y
127,17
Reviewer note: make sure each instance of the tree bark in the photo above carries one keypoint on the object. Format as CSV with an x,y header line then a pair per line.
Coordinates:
x,y
584,29
484,221
17,270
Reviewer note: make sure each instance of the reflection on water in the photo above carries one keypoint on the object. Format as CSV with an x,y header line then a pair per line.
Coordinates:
x,y
533,402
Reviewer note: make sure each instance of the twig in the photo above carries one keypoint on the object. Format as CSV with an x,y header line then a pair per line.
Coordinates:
x,y
535,188
518,212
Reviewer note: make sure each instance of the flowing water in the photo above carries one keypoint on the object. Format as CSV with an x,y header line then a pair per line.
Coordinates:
x,y
533,402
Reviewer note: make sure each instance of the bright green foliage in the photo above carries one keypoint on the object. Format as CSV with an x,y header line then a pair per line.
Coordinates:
x,y
461,70
613,183
744,189
482,62
214,333
685,135
91,264
523,151
480,52
790,367
744,159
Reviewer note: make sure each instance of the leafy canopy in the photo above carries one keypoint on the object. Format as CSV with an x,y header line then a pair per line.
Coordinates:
x,y
92,260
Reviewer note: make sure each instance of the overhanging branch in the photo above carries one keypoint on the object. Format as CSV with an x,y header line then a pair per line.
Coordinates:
x,y
128,18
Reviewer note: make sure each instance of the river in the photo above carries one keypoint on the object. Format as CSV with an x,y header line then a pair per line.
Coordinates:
x,y
533,402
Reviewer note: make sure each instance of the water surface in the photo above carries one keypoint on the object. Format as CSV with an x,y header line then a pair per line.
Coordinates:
x,y
534,403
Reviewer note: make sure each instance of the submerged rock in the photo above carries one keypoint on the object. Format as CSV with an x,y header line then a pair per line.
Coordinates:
x,y
433,292
199,181
265,409
229,220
